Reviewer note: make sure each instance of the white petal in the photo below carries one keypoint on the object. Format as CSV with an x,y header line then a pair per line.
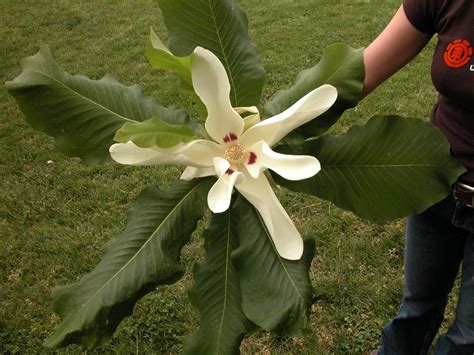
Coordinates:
x,y
196,153
286,237
304,110
192,172
291,167
201,152
220,165
249,120
212,86
251,109
220,194
129,154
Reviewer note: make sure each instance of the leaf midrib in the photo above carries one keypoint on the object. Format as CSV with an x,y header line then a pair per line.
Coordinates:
x,y
219,333
385,166
81,95
138,252
326,81
278,255
231,79
339,68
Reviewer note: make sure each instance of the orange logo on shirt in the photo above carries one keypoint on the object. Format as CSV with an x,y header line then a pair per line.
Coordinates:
x,y
458,53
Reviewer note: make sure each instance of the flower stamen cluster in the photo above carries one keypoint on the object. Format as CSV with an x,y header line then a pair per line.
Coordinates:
x,y
235,154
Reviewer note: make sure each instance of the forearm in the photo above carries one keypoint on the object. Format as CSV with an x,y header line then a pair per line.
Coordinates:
x,y
399,43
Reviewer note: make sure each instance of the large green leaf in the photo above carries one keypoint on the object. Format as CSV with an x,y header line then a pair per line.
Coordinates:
x,y
276,293
340,66
216,292
221,27
81,114
391,167
160,57
144,256
154,133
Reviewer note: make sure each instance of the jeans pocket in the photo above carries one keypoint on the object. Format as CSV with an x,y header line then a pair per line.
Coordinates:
x,y
463,217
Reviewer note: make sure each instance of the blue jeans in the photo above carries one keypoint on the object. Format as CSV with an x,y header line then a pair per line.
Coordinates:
x,y
437,241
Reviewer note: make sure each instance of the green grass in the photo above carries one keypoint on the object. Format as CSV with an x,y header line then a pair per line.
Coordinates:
x,y
56,214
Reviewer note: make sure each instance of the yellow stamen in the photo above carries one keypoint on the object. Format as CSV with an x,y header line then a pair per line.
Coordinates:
x,y
235,154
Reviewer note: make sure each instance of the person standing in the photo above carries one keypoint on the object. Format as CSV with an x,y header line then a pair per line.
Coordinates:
x,y
440,239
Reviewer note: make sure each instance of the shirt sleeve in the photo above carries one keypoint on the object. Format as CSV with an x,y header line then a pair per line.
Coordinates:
x,y
421,14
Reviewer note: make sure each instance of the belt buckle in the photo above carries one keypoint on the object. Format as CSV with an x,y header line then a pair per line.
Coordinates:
x,y
469,189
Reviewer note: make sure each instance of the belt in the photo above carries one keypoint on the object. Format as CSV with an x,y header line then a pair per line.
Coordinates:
x,y
464,194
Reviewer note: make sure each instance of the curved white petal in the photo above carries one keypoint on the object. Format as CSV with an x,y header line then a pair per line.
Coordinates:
x,y
196,153
201,152
252,119
220,194
192,172
286,237
212,86
130,154
250,109
220,165
304,110
291,167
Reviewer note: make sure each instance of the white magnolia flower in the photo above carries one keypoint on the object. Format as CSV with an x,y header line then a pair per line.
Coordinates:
x,y
239,155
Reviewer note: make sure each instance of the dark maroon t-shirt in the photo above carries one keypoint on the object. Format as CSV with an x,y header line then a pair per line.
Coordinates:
x,y
452,71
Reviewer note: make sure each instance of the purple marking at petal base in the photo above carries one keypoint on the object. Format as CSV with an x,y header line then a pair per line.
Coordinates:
x,y
230,137
252,158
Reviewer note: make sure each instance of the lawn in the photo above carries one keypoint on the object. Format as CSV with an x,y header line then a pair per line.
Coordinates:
x,y
56,213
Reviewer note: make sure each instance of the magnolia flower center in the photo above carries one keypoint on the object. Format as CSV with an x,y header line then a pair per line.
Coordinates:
x,y
235,154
